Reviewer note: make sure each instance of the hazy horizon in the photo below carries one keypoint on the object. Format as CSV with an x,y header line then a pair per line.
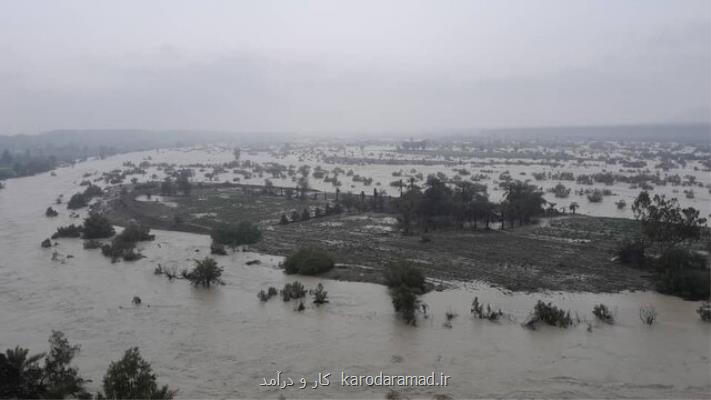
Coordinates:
x,y
320,67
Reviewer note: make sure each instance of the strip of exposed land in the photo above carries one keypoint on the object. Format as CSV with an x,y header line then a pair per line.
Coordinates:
x,y
572,253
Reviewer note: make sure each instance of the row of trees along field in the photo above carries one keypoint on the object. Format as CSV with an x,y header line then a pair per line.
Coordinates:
x,y
440,205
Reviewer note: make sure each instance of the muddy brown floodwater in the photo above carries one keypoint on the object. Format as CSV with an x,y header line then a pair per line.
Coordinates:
x,y
222,342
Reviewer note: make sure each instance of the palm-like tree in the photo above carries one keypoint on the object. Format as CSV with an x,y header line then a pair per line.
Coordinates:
x,y
573,206
205,273
20,374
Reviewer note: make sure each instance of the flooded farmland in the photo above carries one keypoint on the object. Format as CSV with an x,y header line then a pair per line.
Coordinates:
x,y
222,342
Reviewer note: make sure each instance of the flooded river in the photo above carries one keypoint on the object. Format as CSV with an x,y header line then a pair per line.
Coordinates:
x,y
222,342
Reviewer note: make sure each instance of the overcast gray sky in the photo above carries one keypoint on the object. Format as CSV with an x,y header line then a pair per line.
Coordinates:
x,y
351,66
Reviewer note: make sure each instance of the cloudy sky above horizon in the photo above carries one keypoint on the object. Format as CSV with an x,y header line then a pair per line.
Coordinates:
x,y
322,66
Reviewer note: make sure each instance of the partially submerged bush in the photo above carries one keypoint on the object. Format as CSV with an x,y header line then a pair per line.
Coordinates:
x,y
405,302
78,200
121,250
293,290
266,295
603,314
449,317
401,272
481,313
92,244
69,231
170,273
97,226
648,314
218,248
46,244
92,191
51,212
549,314
135,233
308,261
595,196
704,311
406,282
683,273
205,273
320,295
234,235
124,244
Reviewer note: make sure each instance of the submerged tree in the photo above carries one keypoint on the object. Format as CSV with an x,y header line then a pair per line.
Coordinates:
x,y
78,200
97,226
405,302
405,283
205,273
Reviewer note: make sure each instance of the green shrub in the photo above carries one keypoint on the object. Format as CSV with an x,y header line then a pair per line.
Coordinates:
x,y
205,273
631,252
266,295
549,314
320,295
92,191
399,273
236,235
648,314
22,376
121,250
704,311
123,246
595,196
481,313
293,290
683,273
135,233
308,261
405,302
69,231
218,249
92,244
132,378
77,201
603,314
97,227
